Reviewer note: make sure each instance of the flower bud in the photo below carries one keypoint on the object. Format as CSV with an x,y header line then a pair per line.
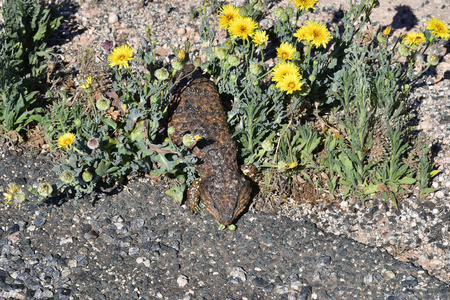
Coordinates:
x,y
67,177
77,122
161,74
243,11
284,17
93,143
267,145
103,104
171,130
289,11
433,60
153,99
278,12
234,60
87,176
189,140
381,38
177,65
403,50
44,189
197,62
255,68
220,53
228,45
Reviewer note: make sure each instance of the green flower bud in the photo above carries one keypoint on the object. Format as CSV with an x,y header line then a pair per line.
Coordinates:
x,y
220,53
381,38
103,104
77,122
232,227
312,78
177,65
171,130
284,17
234,60
289,11
228,45
267,145
161,74
255,68
433,60
278,12
197,62
67,177
44,189
243,11
403,50
50,128
189,140
153,99
87,176
296,55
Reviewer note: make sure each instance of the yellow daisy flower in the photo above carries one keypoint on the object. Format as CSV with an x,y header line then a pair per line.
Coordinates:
x,y
285,51
282,69
414,38
315,33
242,27
14,195
304,4
290,83
387,30
260,37
66,140
438,28
120,56
87,83
229,12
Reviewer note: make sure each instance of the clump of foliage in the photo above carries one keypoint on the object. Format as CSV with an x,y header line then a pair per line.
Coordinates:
x,y
23,57
334,104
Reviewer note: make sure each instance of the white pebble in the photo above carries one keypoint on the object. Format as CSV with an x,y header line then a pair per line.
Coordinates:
x,y
182,280
439,194
113,18
181,31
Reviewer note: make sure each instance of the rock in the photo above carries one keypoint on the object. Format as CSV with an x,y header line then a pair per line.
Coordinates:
x,y
238,272
182,280
113,18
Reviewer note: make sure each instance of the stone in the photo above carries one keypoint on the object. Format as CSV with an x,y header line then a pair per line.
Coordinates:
x,y
113,18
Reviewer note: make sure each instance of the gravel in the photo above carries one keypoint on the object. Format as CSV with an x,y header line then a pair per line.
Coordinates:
x,y
136,243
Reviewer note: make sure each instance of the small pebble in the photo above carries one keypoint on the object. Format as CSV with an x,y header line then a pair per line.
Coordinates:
x,y
113,18
182,280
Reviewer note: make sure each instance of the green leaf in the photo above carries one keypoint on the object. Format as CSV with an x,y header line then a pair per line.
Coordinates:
x,y
176,192
407,180
371,189
109,122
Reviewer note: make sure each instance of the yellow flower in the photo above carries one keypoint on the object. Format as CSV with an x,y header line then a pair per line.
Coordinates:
x,y
242,27
285,51
229,12
290,83
66,140
387,30
304,4
14,195
282,69
181,54
315,33
87,84
260,37
414,38
438,28
120,56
